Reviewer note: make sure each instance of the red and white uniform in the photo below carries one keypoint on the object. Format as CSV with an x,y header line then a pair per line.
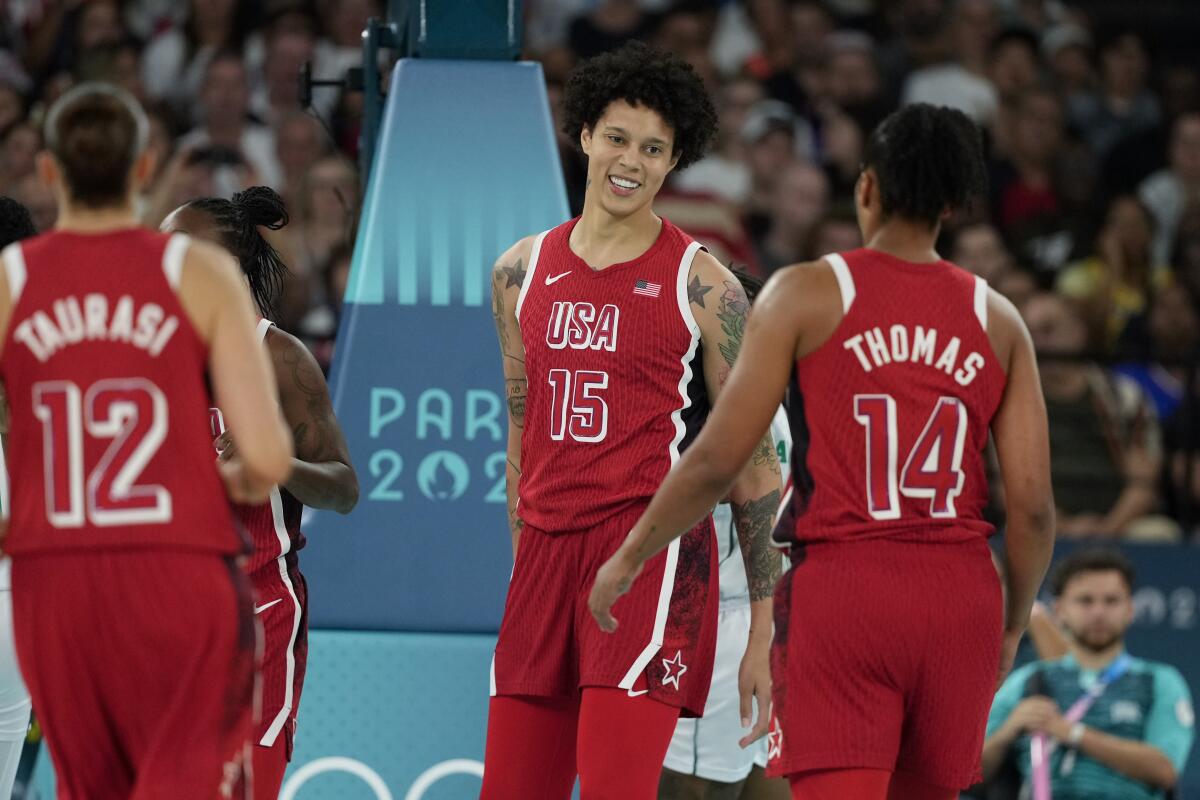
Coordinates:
x,y
121,538
616,391
888,626
280,599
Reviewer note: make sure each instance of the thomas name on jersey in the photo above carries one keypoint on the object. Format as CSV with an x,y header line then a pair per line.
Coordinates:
x,y
579,327
148,329
919,346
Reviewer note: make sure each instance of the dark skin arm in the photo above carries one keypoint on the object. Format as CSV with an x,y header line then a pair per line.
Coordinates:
x,y
322,475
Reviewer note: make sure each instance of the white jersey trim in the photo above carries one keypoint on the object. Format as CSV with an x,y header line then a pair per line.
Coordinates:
x,y
14,271
981,298
529,271
841,271
668,578
173,259
285,546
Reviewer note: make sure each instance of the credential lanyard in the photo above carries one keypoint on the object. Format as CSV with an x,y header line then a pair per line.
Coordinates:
x,y
1040,747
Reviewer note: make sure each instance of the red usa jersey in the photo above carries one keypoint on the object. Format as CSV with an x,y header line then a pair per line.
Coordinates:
x,y
274,526
616,388
894,409
107,399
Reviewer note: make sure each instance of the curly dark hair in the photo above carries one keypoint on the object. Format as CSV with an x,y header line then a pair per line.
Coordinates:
x,y
643,76
237,222
929,159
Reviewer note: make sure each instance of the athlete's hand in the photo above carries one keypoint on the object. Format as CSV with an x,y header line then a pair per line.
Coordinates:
x,y
612,580
226,447
240,485
1008,654
754,684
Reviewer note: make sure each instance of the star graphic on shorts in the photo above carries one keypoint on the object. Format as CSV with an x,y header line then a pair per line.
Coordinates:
x,y
774,740
679,666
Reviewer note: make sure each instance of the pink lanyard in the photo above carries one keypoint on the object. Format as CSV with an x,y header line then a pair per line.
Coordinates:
x,y
1040,746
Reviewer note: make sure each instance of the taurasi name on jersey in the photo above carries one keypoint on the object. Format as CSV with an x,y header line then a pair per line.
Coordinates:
x,y
148,329
876,349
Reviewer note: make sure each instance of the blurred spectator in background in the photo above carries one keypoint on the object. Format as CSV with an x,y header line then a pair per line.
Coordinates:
x,y
773,136
800,199
1169,191
1105,443
837,232
175,62
962,81
1123,104
299,142
226,124
723,171
1113,284
1131,737
978,248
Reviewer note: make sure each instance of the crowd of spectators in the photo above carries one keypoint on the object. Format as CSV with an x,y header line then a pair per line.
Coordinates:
x,y
1091,114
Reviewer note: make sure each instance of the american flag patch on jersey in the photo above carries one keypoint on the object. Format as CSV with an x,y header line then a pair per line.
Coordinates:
x,y
647,289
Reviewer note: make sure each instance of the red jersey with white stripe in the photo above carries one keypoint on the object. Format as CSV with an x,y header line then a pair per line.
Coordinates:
x,y
273,526
107,399
616,388
897,405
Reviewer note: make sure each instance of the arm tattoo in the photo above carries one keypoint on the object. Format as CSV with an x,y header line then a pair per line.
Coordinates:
x,y
765,455
732,312
517,390
697,290
514,274
502,279
314,442
754,520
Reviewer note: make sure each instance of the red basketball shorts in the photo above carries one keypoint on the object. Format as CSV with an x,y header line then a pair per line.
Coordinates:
x,y
885,657
550,646
281,606
140,664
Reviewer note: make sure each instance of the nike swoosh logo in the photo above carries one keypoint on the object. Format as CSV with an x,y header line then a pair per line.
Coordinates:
x,y
550,280
265,606
632,693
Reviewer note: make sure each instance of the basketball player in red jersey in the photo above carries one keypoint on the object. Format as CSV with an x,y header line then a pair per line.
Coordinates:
x,y
616,329
890,627
133,624
322,476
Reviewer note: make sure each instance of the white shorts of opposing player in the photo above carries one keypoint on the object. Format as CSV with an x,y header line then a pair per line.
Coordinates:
x,y
708,747
14,697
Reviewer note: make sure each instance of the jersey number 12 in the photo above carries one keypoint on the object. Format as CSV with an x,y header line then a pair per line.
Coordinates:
x,y
132,412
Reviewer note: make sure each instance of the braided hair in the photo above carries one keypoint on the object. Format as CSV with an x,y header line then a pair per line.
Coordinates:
x,y
237,222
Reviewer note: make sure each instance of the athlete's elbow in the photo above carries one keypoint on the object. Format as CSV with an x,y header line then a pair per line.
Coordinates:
x,y
348,497
1033,518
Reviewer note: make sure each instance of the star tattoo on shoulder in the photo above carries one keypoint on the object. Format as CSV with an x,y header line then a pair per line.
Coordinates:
x,y
697,290
514,274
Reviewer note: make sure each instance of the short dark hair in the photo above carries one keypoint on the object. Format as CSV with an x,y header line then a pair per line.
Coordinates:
x,y
95,132
237,222
15,222
929,159
643,76
1091,559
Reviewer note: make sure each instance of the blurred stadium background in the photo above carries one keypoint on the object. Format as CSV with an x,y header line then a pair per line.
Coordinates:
x,y
415,141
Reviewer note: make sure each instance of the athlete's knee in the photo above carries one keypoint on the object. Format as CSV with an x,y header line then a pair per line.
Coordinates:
x,y
677,786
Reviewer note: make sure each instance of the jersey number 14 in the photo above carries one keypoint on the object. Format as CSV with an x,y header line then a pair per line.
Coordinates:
x,y
933,469
132,412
